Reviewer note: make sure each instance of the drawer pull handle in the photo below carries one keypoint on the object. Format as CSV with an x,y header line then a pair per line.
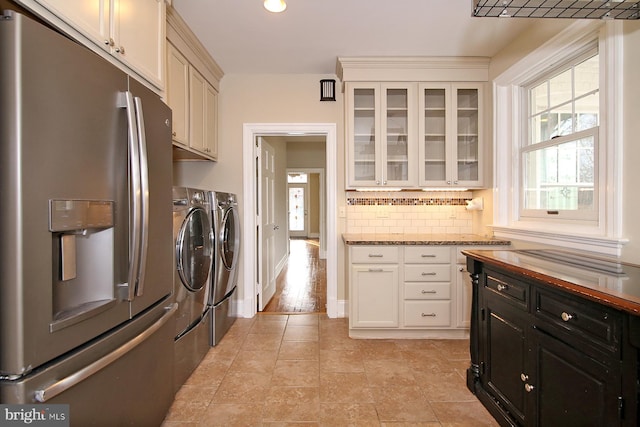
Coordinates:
x,y
428,315
502,287
529,388
375,255
566,316
428,256
376,270
429,274
429,292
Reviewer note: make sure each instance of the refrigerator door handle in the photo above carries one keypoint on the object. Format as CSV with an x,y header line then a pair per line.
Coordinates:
x,y
134,172
66,383
144,190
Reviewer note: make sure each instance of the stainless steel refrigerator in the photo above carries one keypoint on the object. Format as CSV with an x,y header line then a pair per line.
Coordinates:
x,y
86,258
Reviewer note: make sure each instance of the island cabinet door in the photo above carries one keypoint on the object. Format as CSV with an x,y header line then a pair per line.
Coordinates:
x,y
504,354
569,388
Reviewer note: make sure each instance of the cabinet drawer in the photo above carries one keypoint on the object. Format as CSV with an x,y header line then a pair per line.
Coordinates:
x,y
427,291
580,319
508,287
427,313
427,254
374,254
427,273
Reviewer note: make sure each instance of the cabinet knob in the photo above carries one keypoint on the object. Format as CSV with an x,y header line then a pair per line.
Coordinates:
x,y
524,377
501,287
120,50
529,388
448,182
174,133
377,182
566,316
109,42
460,268
455,182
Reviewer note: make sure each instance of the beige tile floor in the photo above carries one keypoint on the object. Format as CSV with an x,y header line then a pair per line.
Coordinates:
x,y
304,370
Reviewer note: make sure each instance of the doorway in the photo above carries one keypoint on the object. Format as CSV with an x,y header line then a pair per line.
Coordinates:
x,y
251,251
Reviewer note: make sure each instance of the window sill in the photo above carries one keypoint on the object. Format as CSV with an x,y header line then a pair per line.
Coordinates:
x,y
596,244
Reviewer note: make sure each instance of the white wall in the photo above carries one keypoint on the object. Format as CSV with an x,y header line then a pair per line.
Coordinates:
x,y
266,98
631,131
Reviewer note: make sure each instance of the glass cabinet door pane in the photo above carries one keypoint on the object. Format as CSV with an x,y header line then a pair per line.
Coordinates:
x,y
364,134
434,134
467,134
397,134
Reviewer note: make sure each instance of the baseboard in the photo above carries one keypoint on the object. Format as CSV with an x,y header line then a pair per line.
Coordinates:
x,y
281,264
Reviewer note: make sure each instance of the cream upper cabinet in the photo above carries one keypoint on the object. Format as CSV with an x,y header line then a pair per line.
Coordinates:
x,y
193,78
381,135
178,94
450,133
203,104
133,31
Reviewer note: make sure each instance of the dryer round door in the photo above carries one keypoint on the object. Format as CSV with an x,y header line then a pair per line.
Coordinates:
x,y
230,239
194,250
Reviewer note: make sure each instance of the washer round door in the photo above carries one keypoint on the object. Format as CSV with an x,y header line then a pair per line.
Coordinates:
x,y
230,239
194,250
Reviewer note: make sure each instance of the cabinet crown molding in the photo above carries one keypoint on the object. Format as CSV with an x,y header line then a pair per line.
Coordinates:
x,y
413,68
179,33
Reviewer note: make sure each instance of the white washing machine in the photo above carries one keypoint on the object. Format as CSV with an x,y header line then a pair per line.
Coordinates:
x,y
227,249
194,254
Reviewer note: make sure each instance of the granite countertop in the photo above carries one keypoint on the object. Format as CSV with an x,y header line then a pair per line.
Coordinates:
x,y
420,239
603,280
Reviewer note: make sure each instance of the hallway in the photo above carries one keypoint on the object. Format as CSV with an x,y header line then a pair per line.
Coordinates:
x,y
301,287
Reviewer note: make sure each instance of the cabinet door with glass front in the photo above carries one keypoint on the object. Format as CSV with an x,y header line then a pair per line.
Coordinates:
x,y
380,135
450,135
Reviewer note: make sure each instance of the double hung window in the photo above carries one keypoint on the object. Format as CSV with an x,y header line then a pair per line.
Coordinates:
x,y
559,156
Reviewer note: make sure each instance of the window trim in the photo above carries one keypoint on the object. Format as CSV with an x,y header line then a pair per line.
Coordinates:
x,y
604,236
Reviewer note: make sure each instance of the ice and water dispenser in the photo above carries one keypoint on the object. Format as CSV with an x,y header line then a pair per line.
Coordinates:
x,y
83,259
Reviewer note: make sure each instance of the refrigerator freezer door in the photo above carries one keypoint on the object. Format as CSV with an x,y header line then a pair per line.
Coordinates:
x,y
112,382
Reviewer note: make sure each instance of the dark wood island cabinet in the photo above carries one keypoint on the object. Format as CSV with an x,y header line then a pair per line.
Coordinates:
x,y
555,338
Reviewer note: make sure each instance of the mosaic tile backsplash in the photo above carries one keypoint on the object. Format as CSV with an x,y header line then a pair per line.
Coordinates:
x,y
409,212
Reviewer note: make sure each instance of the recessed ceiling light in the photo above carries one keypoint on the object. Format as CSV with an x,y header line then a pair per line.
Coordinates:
x,y
275,6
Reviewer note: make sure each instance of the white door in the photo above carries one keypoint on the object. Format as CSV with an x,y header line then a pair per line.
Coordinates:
x,y
298,205
267,223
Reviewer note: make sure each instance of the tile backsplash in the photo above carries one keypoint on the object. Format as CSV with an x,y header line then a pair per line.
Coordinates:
x,y
409,212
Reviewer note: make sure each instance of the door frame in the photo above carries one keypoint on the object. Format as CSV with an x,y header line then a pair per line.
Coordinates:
x,y
250,131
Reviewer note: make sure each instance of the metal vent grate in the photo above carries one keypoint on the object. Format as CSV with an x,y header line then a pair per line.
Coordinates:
x,y
575,9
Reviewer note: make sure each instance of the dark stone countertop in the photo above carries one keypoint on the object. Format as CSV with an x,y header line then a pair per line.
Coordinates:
x,y
420,239
604,280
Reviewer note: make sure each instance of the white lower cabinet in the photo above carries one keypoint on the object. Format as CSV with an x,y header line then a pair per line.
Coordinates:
x,y
375,296
408,291
374,287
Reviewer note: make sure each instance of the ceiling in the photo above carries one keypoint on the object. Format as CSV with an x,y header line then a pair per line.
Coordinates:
x,y
309,36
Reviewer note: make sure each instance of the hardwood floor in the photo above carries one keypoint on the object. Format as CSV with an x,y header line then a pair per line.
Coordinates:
x,y
301,287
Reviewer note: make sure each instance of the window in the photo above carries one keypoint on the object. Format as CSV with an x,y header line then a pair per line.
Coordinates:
x,y
559,171
558,148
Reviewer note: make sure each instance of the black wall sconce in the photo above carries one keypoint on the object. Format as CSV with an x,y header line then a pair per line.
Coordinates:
x,y
327,90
